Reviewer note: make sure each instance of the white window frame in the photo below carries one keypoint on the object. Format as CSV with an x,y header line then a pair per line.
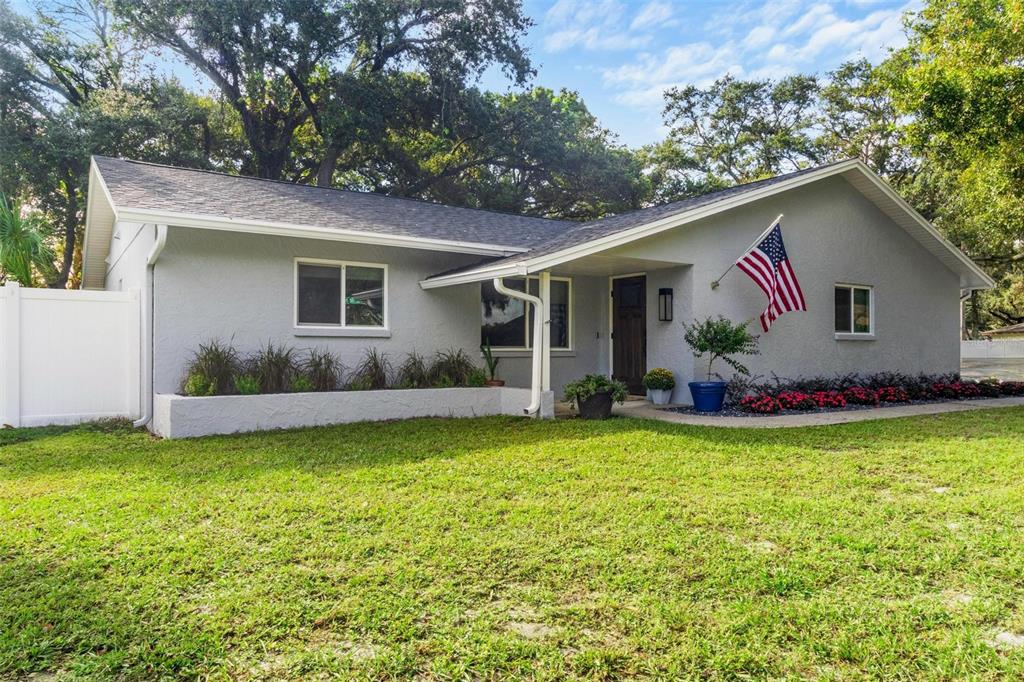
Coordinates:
x,y
855,335
342,265
529,318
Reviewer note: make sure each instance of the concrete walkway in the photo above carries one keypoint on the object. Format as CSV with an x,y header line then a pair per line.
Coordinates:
x,y
644,410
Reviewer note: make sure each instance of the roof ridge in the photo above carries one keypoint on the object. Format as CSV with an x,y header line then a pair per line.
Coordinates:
x,y
335,189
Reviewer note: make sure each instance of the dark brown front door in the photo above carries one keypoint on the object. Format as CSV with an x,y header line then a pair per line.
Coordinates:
x,y
629,331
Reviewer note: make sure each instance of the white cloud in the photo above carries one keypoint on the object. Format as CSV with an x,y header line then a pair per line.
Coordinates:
x,y
762,39
654,13
604,24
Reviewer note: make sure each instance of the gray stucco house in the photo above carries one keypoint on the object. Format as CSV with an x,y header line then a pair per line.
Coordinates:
x,y
251,260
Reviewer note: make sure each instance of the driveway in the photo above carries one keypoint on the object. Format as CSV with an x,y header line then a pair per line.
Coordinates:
x,y
1001,368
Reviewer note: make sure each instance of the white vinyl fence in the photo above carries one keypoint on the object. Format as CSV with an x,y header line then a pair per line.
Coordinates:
x,y
68,356
992,350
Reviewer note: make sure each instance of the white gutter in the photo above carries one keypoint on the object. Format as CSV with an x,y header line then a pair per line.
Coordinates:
x,y
538,340
147,329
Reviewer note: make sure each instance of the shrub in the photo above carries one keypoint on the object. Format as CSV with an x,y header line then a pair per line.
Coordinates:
x,y
989,388
892,394
965,389
323,370
302,384
247,384
659,379
217,364
454,364
274,367
829,399
413,372
489,360
720,338
476,378
199,385
761,404
1012,388
796,400
372,373
859,395
581,389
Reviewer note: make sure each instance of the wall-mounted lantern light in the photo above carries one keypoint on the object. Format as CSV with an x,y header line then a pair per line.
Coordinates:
x,y
665,305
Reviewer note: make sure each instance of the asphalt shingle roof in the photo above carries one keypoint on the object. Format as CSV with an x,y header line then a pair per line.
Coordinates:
x,y
148,186
581,233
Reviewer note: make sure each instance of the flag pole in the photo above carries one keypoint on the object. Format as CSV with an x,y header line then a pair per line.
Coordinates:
x,y
714,283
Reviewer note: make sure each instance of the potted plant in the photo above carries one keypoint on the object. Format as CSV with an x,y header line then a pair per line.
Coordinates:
x,y
659,383
492,365
594,394
718,339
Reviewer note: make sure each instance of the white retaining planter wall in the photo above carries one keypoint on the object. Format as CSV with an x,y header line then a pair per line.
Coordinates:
x,y
176,416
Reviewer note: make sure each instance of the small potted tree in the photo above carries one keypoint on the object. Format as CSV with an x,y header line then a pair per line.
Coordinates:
x,y
718,339
594,394
659,383
492,365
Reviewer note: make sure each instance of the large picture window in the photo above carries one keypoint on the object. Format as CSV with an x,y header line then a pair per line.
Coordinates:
x,y
505,321
853,309
340,294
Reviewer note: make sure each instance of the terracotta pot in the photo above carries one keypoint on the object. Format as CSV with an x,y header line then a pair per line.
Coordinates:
x,y
494,382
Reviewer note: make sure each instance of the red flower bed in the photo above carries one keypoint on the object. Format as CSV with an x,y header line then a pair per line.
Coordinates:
x,y
1012,388
796,400
858,395
761,404
829,399
892,394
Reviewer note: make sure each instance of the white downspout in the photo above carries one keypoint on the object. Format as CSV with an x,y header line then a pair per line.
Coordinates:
x,y
538,341
147,329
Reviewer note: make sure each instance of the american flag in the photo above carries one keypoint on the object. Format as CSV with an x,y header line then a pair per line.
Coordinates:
x,y
768,265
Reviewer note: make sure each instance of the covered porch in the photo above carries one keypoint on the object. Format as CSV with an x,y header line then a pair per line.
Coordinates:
x,y
599,313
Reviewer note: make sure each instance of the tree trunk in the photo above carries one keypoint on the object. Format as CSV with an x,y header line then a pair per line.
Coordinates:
x,y
325,173
70,234
975,314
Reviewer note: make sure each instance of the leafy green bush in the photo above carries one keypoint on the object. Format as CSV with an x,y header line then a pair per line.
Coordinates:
x,y
274,366
247,384
476,378
199,385
659,379
720,339
322,369
216,364
581,389
302,384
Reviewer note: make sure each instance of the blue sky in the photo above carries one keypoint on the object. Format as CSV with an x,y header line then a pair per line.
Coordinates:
x,y
621,55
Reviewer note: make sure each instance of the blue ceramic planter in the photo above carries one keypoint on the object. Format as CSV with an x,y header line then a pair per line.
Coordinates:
x,y
708,396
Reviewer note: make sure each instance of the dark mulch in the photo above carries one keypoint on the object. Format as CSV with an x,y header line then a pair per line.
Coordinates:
x,y
736,412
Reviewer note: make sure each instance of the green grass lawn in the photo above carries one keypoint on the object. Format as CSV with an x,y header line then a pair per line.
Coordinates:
x,y
505,548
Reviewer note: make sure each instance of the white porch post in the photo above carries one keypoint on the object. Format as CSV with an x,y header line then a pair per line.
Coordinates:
x,y
545,298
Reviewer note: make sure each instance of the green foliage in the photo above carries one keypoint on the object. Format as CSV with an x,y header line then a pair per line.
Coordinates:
x,y
719,338
373,372
23,249
452,367
489,360
581,389
414,372
217,364
197,385
659,379
302,384
322,368
275,366
476,378
247,384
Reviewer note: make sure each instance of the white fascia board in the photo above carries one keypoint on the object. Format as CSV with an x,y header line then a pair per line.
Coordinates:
x,y
205,222
95,180
482,274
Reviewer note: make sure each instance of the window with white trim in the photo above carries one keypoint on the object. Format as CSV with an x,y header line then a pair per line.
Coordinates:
x,y
504,320
340,294
853,309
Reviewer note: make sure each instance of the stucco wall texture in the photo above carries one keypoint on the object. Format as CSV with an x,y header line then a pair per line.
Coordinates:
x,y
240,288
